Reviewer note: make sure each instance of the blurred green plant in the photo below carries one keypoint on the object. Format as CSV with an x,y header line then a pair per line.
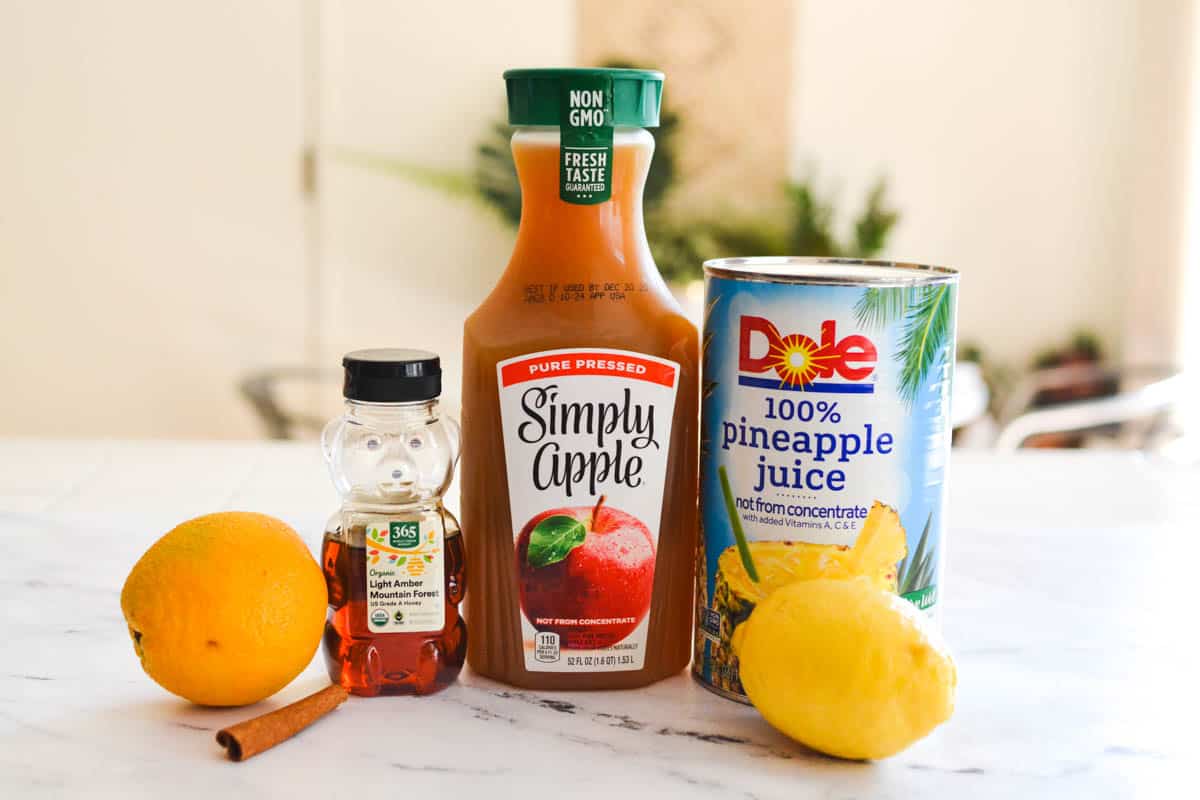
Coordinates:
x,y
805,226
1081,348
679,242
1084,347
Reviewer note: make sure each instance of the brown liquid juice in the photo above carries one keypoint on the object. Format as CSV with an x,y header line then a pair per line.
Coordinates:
x,y
581,276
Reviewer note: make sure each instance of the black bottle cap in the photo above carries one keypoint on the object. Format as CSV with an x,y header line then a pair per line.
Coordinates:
x,y
392,375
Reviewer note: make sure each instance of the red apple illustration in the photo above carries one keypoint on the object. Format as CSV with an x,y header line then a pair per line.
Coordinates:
x,y
586,573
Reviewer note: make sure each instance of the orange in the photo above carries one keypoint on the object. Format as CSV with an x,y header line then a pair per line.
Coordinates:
x,y
226,609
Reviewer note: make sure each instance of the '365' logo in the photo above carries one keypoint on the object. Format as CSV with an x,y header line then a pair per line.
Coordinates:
x,y
405,535
799,361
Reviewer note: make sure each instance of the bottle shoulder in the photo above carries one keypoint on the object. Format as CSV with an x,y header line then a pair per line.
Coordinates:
x,y
368,507
652,323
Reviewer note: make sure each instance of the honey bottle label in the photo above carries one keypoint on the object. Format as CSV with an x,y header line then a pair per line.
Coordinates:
x,y
586,439
405,573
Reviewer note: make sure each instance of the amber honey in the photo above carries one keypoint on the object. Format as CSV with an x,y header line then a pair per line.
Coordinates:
x,y
358,659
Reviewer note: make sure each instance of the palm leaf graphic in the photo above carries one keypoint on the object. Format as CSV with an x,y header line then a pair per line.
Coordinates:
x,y
879,307
928,319
928,325
707,388
708,310
915,570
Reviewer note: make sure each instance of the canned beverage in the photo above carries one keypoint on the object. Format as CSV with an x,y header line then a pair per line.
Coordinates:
x,y
825,435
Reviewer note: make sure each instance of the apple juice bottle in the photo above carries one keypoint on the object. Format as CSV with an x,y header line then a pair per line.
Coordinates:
x,y
580,407
393,557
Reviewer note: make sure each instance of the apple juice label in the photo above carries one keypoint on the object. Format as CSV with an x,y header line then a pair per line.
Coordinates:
x,y
825,406
405,577
586,136
586,433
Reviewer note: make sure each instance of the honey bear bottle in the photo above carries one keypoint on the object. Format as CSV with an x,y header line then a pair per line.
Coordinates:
x,y
393,557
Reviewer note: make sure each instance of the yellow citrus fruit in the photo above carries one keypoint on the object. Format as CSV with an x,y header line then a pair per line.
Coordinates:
x,y
225,609
845,667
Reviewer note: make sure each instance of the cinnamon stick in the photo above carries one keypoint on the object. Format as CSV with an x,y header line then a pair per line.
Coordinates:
x,y
249,738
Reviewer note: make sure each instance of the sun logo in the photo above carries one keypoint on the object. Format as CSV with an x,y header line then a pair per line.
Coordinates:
x,y
797,359
800,360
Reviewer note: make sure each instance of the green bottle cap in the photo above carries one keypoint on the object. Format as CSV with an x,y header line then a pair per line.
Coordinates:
x,y
539,96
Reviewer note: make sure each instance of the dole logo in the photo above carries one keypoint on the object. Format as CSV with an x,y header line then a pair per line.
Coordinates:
x,y
802,363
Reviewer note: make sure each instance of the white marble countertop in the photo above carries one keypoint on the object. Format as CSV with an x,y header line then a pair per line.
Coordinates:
x,y
1069,605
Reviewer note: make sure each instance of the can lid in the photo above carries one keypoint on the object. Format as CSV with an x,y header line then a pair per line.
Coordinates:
x,y
392,375
537,96
829,270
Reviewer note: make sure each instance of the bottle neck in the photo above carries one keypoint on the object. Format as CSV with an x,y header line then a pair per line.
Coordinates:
x,y
389,414
582,242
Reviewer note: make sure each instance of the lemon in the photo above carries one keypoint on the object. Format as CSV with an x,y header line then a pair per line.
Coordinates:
x,y
225,609
845,667
880,545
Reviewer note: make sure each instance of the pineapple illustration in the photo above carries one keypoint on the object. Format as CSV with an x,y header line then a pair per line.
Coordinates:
x,y
706,391
877,550
701,599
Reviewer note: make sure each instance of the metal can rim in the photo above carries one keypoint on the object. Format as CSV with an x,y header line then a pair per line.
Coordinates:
x,y
827,270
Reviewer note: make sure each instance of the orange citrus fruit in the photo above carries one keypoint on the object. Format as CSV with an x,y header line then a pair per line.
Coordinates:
x,y
226,609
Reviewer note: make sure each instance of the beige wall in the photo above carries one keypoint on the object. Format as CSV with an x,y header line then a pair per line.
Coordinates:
x,y
156,244
403,264
729,74
150,219
1028,143
155,239
1164,130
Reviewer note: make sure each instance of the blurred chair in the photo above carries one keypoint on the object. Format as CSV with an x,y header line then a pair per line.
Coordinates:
x,y
1124,407
272,392
969,402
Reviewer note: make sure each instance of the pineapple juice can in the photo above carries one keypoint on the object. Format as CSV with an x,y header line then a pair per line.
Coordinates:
x,y
825,435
